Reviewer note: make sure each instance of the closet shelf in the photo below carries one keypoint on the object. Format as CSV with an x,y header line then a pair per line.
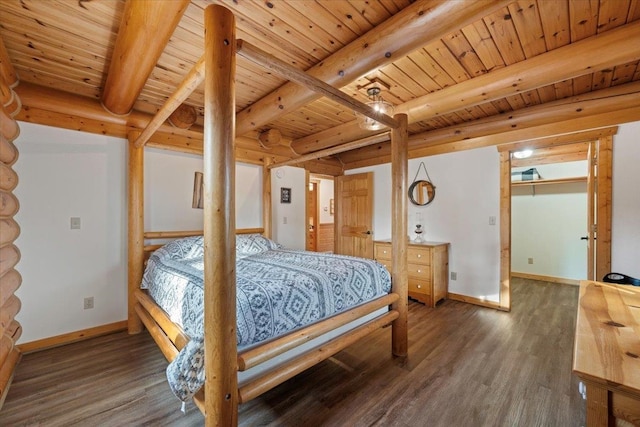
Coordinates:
x,y
550,181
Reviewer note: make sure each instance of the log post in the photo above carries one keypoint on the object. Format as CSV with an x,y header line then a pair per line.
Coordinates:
x,y
221,388
135,229
399,273
266,197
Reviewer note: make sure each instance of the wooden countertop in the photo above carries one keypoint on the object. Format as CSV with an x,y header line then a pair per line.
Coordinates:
x,y
607,340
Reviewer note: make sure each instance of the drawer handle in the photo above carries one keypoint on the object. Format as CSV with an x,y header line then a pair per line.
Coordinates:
x,y
419,286
384,252
419,256
419,271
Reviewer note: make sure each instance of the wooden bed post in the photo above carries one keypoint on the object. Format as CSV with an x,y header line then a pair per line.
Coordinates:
x,y
135,230
266,197
399,279
221,388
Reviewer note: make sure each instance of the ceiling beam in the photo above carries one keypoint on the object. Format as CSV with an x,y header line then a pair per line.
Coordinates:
x,y
606,50
556,140
314,84
7,71
188,85
364,142
416,25
64,110
145,30
605,107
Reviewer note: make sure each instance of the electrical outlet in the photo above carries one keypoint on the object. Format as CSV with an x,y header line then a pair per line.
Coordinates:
x,y
454,275
530,260
88,303
492,220
284,219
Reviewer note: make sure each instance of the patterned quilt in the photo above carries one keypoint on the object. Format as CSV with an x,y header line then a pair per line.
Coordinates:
x,y
277,291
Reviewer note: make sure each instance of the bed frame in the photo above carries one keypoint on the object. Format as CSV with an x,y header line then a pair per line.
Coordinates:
x,y
220,396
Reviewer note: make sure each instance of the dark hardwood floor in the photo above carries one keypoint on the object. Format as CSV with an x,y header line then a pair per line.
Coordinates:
x,y
468,366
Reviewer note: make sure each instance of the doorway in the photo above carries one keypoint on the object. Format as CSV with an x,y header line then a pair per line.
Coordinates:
x,y
599,202
320,208
549,214
312,216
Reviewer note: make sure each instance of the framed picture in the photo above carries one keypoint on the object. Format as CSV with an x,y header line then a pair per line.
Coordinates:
x,y
198,189
331,207
285,195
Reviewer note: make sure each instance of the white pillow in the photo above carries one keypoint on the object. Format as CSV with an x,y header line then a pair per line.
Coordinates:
x,y
251,244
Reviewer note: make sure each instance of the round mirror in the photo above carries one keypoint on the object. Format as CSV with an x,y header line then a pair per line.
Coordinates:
x,y
421,193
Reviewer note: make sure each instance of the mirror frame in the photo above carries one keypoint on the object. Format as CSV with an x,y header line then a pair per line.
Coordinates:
x,y
412,187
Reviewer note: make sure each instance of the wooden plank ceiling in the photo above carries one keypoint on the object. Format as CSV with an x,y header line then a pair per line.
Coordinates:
x,y
68,45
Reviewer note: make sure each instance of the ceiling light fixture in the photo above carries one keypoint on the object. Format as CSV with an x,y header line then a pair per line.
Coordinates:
x,y
379,105
522,154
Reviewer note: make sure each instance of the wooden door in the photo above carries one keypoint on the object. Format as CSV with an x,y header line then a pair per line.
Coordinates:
x,y
354,215
312,216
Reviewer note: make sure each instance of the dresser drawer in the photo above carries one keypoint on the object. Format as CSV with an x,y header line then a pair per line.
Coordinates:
x,y
383,252
419,255
419,286
420,271
386,263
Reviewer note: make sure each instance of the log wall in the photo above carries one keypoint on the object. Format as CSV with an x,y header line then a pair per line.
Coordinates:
x,y
10,279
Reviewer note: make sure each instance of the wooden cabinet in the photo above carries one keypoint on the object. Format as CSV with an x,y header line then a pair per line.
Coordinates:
x,y
428,268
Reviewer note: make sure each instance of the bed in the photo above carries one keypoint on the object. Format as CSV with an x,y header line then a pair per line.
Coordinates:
x,y
222,392
279,291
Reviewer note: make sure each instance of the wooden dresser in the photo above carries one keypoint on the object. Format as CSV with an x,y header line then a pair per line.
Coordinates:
x,y
428,268
606,354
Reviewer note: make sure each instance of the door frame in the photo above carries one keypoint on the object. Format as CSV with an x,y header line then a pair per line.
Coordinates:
x,y
307,210
603,153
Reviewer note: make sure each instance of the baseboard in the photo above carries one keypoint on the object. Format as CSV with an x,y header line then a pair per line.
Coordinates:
x,y
70,337
475,301
551,279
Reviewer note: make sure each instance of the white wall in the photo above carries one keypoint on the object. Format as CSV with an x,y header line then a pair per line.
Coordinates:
x,y
289,218
547,222
326,194
67,174
625,252
168,187
467,194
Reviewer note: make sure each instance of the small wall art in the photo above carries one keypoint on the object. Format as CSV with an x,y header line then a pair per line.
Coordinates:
x,y
198,189
285,195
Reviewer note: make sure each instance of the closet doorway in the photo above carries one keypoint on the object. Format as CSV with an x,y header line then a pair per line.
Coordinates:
x,y
549,214
599,187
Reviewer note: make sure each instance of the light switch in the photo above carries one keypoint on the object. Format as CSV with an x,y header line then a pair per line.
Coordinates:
x,y
75,223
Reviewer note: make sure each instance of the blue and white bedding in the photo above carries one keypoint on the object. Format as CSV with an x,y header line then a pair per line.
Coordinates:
x,y
278,291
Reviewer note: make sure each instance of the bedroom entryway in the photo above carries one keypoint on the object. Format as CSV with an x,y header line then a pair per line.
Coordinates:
x,y
320,205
